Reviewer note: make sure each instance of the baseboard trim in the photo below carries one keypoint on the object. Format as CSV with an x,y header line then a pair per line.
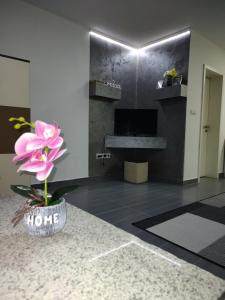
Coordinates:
x,y
174,180
190,181
167,181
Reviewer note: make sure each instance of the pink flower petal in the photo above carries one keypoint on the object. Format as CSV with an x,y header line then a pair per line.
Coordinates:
x,y
55,153
57,143
47,131
37,155
23,140
22,156
40,128
36,144
42,175
52,154
35,166
60,153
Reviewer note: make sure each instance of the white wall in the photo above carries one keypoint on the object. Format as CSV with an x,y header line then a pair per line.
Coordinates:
x,y
59,74
202,52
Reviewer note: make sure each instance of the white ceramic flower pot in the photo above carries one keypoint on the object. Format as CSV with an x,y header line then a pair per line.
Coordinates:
x,y
46,220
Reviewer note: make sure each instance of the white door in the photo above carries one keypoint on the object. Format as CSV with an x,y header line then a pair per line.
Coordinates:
x,y
205,128
14,94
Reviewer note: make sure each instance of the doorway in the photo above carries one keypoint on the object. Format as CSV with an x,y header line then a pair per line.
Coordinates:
x,y
210,124
14,102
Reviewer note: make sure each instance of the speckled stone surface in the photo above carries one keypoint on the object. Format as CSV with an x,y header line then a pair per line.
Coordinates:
x,y
91,259
113,141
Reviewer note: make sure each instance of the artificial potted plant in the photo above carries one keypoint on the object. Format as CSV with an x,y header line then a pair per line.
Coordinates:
x,y
43,213
171,77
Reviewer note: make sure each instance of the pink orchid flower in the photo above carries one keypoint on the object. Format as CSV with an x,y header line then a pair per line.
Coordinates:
x,y
46,135
49,133
41,163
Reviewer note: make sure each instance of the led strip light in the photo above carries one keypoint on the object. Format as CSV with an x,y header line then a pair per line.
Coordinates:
x,y
102,37
166,40
151,45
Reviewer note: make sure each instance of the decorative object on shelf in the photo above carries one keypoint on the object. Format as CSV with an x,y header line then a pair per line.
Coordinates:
x,y
178,79
160,84
105,89
171,78
43,214
113,84
178,92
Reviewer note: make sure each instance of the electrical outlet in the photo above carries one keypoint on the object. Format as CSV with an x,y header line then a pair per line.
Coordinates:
x,y
99,155
103,155
107,155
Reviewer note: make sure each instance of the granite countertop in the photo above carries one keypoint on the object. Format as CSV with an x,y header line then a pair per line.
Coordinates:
x,y
91,259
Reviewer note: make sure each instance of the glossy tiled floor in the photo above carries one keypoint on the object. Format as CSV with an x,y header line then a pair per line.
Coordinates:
x,y
122,203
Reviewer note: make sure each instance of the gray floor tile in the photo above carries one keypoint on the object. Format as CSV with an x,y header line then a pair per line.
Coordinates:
x,y
218,201
180,252
152,239
122,215
213,251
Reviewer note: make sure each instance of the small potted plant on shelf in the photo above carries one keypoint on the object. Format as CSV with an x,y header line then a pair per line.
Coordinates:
x,y
171,77
43,213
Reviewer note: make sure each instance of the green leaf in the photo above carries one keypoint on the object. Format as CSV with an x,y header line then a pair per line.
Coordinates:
x,y
63,191
23,190
54,202
36,202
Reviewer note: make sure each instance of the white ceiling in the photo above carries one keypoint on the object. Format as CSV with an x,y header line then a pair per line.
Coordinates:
x,y
137,22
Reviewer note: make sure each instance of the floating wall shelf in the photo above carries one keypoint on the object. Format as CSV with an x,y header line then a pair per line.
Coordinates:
x,y
170,92
141,142
100,90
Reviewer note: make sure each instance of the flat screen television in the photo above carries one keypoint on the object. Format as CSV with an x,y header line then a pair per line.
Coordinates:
x,y
136,122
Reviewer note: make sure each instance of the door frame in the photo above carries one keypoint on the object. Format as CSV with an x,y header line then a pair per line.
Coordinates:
x,y
205,69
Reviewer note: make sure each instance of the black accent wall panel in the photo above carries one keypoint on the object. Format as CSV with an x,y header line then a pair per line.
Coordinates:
x,y
166,164
109,62
138,78
155,61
